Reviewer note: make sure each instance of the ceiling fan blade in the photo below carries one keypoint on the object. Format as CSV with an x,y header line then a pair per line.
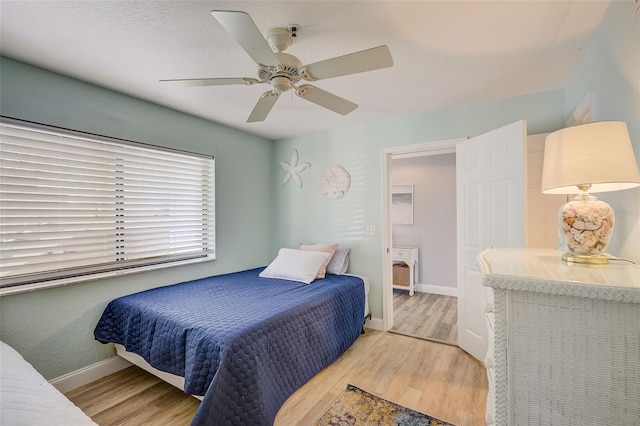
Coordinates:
x,y
325,99
263,107
242,28
352,63
212,81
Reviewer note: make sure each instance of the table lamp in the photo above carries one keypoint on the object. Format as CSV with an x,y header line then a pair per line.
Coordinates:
x,y
585,159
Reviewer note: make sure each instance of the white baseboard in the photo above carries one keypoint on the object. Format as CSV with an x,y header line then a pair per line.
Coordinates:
x,y
374,324
437,289
89,374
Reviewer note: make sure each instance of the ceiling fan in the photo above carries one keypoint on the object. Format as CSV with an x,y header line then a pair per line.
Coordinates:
x,y
283,71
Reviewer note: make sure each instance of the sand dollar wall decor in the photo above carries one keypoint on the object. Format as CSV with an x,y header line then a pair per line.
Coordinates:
x,y
335,182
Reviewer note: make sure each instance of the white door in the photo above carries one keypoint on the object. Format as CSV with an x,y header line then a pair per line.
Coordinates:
x,y
490,186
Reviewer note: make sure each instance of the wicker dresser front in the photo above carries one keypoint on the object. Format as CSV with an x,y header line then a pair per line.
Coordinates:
x,y
565,344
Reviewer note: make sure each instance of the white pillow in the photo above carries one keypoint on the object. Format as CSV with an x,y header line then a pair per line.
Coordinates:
x,y
340,261
295,265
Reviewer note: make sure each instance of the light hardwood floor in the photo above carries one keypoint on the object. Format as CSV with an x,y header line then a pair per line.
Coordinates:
x,y
134,397
426,316
437,379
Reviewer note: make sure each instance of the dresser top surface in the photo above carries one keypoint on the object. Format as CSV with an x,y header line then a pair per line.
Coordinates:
x,y
541,266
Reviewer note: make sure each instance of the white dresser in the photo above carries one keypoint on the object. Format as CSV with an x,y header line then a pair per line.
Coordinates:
x,y
564,340
408,255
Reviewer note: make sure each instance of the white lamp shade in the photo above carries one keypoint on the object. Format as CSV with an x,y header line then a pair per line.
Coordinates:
x,y
597,154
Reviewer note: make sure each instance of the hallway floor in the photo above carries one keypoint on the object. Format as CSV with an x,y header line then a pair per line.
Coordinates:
x,y
426,316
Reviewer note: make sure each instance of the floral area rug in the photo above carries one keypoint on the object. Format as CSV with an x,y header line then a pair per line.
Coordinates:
x,y
357,407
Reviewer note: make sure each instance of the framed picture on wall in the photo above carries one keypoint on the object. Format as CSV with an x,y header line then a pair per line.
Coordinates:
x,y
402,204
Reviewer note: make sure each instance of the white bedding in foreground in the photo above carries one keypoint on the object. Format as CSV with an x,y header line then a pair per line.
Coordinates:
x,y
26,398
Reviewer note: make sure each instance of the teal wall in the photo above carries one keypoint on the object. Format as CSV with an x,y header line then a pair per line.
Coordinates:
x,y
305,215
610,68
53,328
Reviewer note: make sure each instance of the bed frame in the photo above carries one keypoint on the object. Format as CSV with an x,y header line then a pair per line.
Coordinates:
x,y
136,359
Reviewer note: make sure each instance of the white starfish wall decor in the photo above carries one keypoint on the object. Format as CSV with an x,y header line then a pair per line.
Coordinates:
x,y
293,169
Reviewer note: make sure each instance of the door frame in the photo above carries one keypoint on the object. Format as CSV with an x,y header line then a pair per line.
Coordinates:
x,y
446,146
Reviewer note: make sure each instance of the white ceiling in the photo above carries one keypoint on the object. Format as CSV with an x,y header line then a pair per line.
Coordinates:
x,y
446,53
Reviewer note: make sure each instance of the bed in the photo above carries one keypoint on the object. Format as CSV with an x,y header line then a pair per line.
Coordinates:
x,y
28,399
241,341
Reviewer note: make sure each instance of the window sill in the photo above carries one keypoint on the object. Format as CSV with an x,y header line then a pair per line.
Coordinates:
x,y
8,291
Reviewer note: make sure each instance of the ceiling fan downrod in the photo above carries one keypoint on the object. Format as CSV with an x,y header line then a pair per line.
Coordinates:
x,y
279,39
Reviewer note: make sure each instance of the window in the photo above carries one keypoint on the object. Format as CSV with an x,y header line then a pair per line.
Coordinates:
x,y
75,205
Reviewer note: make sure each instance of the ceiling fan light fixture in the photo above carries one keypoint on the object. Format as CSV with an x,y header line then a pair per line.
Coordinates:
x,y
280,83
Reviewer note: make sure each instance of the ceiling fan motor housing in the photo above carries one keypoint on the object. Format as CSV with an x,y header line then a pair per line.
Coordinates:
x,y
284,75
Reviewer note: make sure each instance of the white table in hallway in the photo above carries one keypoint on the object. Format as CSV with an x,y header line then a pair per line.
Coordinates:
x,y
408,255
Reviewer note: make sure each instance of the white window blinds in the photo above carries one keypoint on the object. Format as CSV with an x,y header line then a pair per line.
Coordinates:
x,y
74,204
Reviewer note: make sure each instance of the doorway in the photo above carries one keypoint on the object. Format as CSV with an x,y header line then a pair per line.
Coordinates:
x,y
428,308
490,190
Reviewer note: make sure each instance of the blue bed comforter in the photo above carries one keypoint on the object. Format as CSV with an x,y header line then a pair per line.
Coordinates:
x,y
243,342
